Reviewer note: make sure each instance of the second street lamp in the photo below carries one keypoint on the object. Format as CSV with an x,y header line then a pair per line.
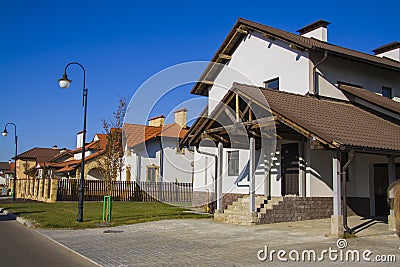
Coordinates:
x,y
64,82
4,133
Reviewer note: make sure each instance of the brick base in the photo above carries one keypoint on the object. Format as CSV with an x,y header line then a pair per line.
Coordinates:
x,y
300,209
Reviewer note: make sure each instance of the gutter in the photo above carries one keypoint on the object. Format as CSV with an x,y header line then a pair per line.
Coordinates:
x,y
314,82
343,173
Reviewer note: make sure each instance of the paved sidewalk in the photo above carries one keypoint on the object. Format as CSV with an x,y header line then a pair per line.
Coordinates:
x,y
208,243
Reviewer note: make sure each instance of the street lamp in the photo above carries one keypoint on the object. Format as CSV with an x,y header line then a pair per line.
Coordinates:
x,y
64,82
4,133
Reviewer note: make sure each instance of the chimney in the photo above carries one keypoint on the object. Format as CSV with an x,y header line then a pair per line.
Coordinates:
x,y
180,117
317,30
157,121
391,51
79,139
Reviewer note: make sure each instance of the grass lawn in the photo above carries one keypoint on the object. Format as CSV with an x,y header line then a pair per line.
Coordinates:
x,y
63,214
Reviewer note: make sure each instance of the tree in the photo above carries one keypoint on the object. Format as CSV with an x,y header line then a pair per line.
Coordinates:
x,y
111,162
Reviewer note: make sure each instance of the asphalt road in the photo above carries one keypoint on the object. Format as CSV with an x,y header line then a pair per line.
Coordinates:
x,y
20,246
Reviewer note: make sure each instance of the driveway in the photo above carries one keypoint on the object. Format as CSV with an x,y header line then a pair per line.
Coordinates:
x,y
204,242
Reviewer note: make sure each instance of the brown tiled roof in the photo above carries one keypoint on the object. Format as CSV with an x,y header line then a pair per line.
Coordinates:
x,y
386,47
332,120
39,154
234,38
372,97
4,166
136,134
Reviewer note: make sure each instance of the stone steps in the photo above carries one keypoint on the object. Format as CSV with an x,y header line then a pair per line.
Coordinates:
x,y
239,211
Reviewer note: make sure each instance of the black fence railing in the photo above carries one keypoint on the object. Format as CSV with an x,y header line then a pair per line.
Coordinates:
x,y
95,190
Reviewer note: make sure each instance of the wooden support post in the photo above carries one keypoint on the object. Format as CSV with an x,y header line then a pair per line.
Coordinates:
x,y
219,177
237,108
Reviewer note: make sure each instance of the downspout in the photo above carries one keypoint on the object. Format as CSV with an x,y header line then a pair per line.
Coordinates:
x,y
161,174
314,82
215,176
344,171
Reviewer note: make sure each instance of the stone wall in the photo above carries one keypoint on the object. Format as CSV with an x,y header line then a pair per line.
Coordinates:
x,y
300,208
43,189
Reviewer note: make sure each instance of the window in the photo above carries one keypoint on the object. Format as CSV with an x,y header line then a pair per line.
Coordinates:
x,y
152,173
233,163
387,92
272,84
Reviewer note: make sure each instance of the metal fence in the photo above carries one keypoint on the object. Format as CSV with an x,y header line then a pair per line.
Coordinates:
x,y
95,190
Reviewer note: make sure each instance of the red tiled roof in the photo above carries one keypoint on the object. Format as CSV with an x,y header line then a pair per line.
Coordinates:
x,y
136,134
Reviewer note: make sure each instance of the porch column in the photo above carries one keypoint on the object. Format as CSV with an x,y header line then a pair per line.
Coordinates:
x,y
391,169
252,187
337,217
392,178
219,177
302,170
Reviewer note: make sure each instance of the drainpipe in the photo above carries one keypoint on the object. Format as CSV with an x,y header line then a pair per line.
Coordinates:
x,y
344,171
314,82
215,175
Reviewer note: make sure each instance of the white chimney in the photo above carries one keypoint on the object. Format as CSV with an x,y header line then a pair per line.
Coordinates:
x,y
180,117
391,51
79,139
317,30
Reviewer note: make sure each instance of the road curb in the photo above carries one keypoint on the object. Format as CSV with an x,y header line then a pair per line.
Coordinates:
x,y
12,216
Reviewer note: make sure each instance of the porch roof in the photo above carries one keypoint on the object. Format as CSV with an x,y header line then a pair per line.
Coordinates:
x,y
338,124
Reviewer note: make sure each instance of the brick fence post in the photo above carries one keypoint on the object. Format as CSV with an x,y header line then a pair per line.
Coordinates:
x,y
53,190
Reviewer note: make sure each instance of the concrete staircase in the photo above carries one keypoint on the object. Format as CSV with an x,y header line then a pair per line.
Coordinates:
x,y
239,211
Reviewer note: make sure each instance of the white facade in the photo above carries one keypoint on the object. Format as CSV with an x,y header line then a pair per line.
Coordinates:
x,y
258,59
172,165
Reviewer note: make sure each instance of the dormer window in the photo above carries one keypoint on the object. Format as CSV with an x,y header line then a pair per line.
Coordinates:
x,y
387,92
272,84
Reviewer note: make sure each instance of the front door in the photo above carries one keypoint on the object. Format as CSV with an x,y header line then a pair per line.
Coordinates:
x,y
290,169
381,184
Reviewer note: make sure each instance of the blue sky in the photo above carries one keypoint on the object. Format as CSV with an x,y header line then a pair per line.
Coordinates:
x,y
123,43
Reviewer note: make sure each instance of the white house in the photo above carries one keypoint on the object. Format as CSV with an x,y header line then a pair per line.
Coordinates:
x,y
152,152
334,113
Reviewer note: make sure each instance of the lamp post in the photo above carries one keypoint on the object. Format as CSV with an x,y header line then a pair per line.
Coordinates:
x,y
4,133
64,82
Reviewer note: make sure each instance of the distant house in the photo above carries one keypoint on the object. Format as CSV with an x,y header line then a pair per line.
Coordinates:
x,y
70,168
30,162
6,172
152,152
333,114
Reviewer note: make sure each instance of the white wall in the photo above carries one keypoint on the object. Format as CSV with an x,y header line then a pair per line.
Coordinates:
x,y
258,59
204,175
371,78
319,174
176,166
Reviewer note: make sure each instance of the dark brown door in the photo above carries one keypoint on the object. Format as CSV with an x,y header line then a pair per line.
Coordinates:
x,y
290,169
381,184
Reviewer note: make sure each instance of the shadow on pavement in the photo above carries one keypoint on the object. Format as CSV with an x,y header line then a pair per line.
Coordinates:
x,y
4,217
